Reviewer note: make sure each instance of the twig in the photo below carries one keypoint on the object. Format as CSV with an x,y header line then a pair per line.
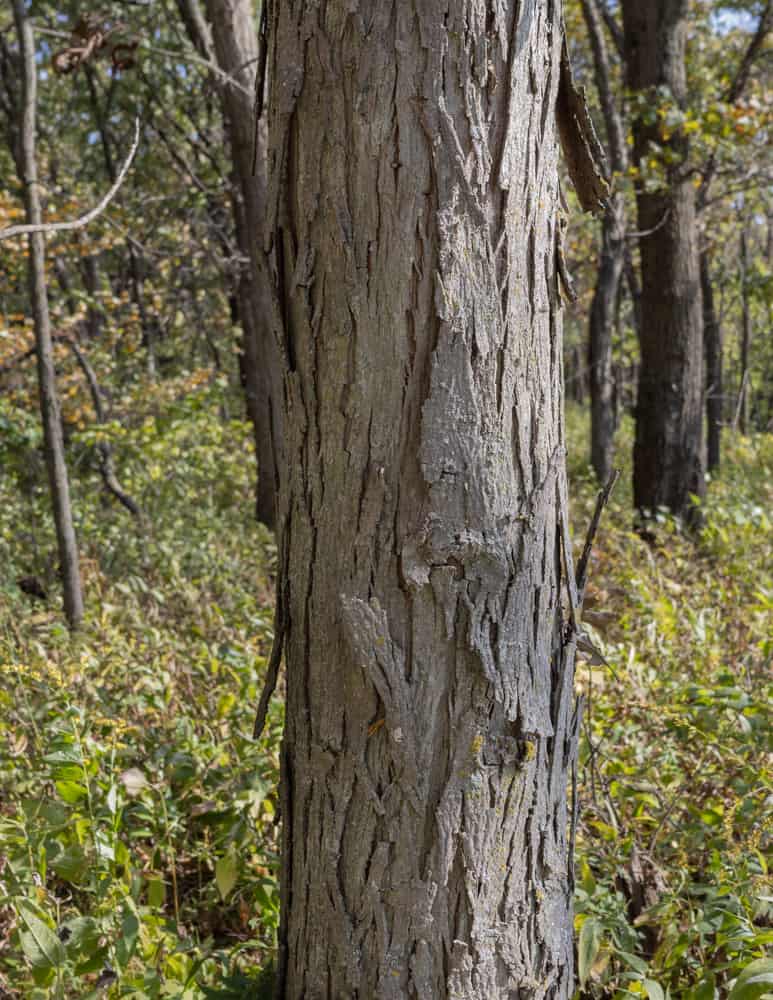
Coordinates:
x,y
643,233
280,628
601,501
84,220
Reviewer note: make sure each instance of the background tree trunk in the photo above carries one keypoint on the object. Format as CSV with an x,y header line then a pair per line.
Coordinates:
x,y
429,713
26,161
611,263
668,459
746,337
230,40
712,348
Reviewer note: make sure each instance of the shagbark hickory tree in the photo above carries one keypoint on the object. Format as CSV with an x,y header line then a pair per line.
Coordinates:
x,y
430,715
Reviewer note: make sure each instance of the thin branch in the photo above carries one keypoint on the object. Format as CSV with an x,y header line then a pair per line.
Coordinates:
x,y
615,32
84,220
643,233
736,89
601,501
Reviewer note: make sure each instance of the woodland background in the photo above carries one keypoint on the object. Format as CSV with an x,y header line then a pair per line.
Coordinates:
x,y
138,842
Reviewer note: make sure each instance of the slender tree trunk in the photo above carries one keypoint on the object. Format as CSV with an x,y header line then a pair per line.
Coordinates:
x,y
230,40
712,348
611,263
49,401
429,713
601,326
668,453
746,336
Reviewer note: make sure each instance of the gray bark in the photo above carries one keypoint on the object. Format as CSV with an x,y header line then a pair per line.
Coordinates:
x,y
430,722
49,401
668,452
230,41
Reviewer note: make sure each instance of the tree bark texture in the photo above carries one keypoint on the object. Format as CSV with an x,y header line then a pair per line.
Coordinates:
x,y
712,351
230,40
430,716
668,458
49,401
611,262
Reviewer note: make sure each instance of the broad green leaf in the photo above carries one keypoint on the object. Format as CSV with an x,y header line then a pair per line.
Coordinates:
x,y
653,990
225,873
70,791
156,893
40,943
756,979
130,928
588,947
71,863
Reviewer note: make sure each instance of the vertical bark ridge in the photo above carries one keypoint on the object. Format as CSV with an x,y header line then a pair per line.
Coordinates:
x,y
413,187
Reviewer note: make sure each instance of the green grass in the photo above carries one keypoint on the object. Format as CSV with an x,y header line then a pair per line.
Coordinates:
x,y
138,843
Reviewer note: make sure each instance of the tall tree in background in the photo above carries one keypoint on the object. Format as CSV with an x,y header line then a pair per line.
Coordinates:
x,y
611,260
713,345
429,711
229,40
27,169
668,458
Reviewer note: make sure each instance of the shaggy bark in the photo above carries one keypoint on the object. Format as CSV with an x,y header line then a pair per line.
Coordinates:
x,y
56,465
668,459
430,717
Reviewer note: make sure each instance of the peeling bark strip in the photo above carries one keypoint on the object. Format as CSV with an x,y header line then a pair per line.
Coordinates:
x,y
430,720
582,150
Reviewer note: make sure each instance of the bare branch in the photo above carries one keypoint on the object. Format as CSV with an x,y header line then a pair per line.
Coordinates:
x,y
84,220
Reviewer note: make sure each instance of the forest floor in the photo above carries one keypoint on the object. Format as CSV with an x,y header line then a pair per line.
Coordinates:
x,y
137,815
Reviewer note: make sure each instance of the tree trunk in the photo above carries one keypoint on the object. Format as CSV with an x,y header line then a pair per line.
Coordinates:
x,y
49,400
611,263
233,46
601,325
429,715
668,459
712,348
746,337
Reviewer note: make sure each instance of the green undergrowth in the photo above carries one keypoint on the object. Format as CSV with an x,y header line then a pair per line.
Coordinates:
x,y
673,890
138,837
138,845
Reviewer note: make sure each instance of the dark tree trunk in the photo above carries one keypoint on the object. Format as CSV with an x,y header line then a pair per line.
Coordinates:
x,y
230,41
668,458
746,337
712,347
429,716
611,263
49,400
601,326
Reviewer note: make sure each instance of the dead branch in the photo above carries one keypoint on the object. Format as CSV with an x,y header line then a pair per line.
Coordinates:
x,y
84,220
